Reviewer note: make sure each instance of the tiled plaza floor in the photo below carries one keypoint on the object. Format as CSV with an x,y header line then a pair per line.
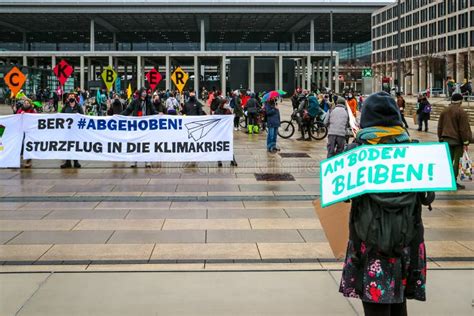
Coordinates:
x,y
107,216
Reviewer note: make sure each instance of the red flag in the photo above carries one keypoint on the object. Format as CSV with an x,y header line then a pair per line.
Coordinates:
x,y
63,71
153,78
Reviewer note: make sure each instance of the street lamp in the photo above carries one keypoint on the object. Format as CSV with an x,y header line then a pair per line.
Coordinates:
x,y
399,49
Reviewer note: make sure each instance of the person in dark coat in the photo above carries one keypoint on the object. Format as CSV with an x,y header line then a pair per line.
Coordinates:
x,y
71,107
116,106
140,107
192,106
423,112
383,282
454,129
273,123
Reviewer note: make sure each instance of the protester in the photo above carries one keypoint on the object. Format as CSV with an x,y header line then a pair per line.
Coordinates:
x,y
383,276
140,107
337,120
252,109
71,107
273,123
423,112
172,104
157,104
236,105
224,109
401,107
352,102
26,107
454,129
193,106
115,105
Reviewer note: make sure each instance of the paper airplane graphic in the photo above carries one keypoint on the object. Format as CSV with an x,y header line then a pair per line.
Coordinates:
x,y
199,130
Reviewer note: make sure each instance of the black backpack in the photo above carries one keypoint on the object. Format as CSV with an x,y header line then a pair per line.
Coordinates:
x,y
387,222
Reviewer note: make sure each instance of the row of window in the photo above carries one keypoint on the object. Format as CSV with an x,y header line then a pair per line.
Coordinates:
x,y
455,23
428,47
430,13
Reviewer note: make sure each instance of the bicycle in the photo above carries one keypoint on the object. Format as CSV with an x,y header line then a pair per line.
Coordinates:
x,y
318,130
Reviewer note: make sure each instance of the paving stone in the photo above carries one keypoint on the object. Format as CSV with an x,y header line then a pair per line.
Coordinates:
x,y
119,224
270,187
133,205
145,188
22,252
6,236
313,235
32,225
65,237
449,234
205,251
208,205
247,213
11,206
442,222
253,236
277,204
300,213
81,188
87,214
295,250
77,252
441,249
148,237
58,205
23,214
170,214
206,224
285,223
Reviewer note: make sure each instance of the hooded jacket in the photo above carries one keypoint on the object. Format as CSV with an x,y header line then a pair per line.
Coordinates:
x,y
336,120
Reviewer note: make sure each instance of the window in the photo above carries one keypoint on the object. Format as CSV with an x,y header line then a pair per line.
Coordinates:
x,y
441,44
462,4
408,36
441,9
441,27
432,46
462,21
472,36
416,49
416,18
472,17
424,48
433,29
408,20
451,6
432,12
451,42
423,15
416,34
424,32
462,40
452,24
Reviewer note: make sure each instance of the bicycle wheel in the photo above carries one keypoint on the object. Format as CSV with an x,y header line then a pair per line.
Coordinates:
x,y
318,131
286,129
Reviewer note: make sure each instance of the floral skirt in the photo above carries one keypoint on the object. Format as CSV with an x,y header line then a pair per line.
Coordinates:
x,y
379,279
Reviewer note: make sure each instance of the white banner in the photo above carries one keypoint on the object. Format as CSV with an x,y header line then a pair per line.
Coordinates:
x,y
121,138
386,168
11,135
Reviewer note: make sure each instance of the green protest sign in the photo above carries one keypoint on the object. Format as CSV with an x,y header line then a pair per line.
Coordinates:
x,y
367,72
386,168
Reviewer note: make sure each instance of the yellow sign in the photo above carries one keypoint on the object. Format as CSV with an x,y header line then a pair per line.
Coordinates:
x,y
129,91
179,78
109,76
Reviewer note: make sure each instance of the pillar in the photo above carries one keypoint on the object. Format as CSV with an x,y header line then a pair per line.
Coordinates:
x,y
53,62
318,74
422,78
394,74
293,41
276,73
223,78
252,73
167,73
92,36
309,72
330,72
311,36
450,64
414,82
323,73
298,77
111,61
406,88
203,36
81,72
125,76
302,73
35,62
331,44
460,76
280,72
25,61
139,72
336,74
25,44
196,76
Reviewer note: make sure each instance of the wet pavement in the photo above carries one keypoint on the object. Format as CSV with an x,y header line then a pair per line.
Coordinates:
x,y
174,216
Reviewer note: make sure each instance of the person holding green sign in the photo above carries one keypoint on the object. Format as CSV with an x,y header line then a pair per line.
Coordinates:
x,y
385,260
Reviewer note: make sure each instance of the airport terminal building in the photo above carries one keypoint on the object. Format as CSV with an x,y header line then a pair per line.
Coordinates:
x,y
226,44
